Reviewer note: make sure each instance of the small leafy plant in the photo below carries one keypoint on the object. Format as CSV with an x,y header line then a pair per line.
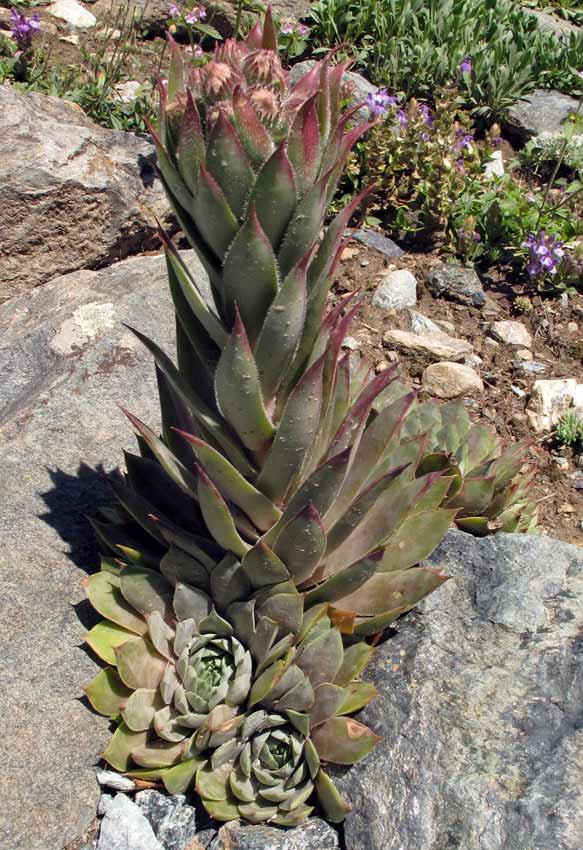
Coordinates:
x,y
569,430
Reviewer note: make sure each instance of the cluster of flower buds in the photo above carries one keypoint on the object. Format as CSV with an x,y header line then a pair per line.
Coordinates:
x,y
545,252
24,28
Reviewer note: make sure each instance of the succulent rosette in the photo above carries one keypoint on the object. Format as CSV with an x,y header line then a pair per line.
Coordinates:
x,y
237,693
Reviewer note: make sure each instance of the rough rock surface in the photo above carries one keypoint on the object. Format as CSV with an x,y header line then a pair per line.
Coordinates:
x,y
511,333
173,821
72,194
438,345
456,283
421,324
450,380
73,13
480,707
397,289
540,112
314,834
124,827
67,363
379,242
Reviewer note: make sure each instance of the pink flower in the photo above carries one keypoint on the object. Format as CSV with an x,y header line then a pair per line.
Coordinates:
x,y
174,11
191,17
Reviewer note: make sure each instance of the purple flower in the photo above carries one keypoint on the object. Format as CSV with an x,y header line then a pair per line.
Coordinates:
x,y
23,28
191,17
287,28
303,30
201,12
425,136
379,102
545,253
463,141
426,113
198,51
402,118
174,11
466,65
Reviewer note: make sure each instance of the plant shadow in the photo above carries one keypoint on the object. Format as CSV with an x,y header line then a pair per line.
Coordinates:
x,y
69,501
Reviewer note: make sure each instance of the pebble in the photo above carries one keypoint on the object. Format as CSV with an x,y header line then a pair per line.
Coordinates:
x,y
450,380
572,327
421,324
115,780
124,827
473,360
438,345
511,333
173,822
491,342
397,289
72,13
524,354
549,399
457,283
531,367
351,343
518,391
379,242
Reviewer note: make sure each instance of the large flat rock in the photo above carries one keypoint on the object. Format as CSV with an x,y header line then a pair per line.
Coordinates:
x,y
72,195
66,364
480,707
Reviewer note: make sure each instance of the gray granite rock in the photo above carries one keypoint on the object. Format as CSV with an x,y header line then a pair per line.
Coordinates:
x,y
379,242
540,112
124,827
559,27
396,290
421,324
314,834
72,194
66,363
456,283
480,707
173,821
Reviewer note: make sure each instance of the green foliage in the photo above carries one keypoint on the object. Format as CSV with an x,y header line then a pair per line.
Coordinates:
x,y
569,430
417,46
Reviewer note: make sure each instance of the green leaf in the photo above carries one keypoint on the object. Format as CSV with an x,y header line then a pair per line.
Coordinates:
x,y
238,391
104,637
104,594
212,215
263,567
358,694
146,591
178,779
233,486
140,708
302,543
343,741
190,149
303,229
217,516
228,164
139,665
160,754
295,435
250,276
213,325
343,583
415,539
118,752
356,658
107,693
253,135
333,804
275,195
387,591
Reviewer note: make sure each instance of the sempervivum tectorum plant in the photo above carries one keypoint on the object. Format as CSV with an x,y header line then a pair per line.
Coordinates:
x,y
274,488
489,485
233,691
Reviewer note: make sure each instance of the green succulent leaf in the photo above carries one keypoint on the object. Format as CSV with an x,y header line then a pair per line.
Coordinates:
x,y
104,637
107,693
103,591
343,741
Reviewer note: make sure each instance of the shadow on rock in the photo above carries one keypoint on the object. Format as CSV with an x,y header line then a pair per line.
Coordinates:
x,y
71,499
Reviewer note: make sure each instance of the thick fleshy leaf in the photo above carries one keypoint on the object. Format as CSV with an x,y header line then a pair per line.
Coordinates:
x,y
295,435
140,708
358,694
356,658
263,567
286,610
191,603
217,516
274,195
304,145
175,72
139,665
179,778
118,752
107,693
104,594
104,637
343,741
233,486
228,163
146,591
302,543
213,784
239,393
333,804
321,658
385,591
250,276
343,583
415,539
159,753
370,626
269,37
281,330
212,215
327,702
190,149
304,227
253,135
178,566
474,496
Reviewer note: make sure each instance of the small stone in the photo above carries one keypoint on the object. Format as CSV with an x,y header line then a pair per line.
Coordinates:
x,y
519,418
173,822
524,354
450,380
491,342
128,92
549,399
518,391
364,263
531,367
396,290
541,111
72,13
572,327
494,167
124,827
378,242
382,366
567,508
578,484
392,356
349,253
473,361
511,333
457,283
561,462
104,803
115,780
441,346
446,326
70,39
351,343
420,324
312,834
